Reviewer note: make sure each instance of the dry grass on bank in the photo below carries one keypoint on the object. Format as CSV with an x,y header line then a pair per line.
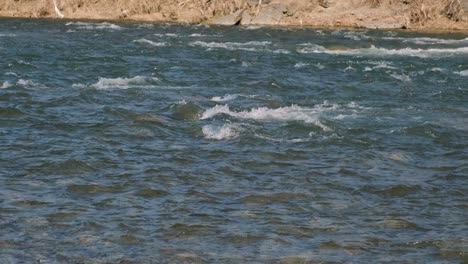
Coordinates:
x,y
420,12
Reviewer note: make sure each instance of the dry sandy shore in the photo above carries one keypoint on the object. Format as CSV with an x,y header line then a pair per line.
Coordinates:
x,y
382,14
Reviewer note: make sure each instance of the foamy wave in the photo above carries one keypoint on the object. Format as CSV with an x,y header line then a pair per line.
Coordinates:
x,y
171,35
91,26
248,46
79,85
428,41
281,51
401,77
343,116
22,62
152,43
225,98
374,51
301,65
11,74
355,35
6,85
7,35
289,113
437,69
124,83
220,132
463,73
197,35
27,83
380,65
146,25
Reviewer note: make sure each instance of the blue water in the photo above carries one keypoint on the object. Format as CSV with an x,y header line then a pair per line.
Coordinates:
x,y
155,143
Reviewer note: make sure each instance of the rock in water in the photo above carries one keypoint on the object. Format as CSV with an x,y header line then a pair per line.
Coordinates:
x,y
229,20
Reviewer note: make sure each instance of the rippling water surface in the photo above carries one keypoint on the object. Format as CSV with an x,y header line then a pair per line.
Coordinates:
x,y
147,143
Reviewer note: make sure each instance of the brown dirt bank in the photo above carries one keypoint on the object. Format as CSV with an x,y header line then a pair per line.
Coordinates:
x,y
385,14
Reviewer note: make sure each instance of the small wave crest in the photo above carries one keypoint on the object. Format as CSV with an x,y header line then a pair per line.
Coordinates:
x,y
91,26
227,97
401,77
27,83
301,65
428,41
374,51
225,131
124,83
248,46
146,25
5,85
288,113
149,42
463,73
380,65
171,35
20,83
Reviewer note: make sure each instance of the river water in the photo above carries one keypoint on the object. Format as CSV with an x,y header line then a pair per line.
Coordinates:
x,y
157,143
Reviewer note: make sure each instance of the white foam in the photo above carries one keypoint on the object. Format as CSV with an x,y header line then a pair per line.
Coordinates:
x,y
227,97
91,26
355,35
437,69
11,74
26,83
288,113
7,35
171,35
78,85
354,105
5,85
301,65
22,62
428,41
248,46
462,73
225,131
343,116
320,66
380,65
374,51
197,35
152,43
401,77
281,51
146,25
124,83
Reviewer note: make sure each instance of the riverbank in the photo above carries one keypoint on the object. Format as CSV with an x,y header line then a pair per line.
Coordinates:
x,y
376,14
